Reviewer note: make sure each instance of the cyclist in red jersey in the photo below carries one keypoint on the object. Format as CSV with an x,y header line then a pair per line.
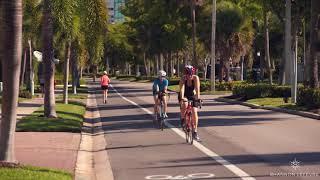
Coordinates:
x,y
190,90
105,85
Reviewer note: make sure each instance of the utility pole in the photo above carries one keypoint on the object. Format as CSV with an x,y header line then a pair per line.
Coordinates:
x,y
213,46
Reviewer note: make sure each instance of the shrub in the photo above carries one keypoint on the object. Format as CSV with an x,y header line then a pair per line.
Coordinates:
x,y
251,91
223,86
308,97
25,94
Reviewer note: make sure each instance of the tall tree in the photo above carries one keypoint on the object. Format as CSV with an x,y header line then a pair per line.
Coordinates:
x,y
10,55
49,67
315,42
213,45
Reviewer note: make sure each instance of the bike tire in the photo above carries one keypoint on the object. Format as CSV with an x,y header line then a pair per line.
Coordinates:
x,y
155,122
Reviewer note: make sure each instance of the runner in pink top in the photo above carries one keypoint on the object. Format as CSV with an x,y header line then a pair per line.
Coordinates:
x,y
105,85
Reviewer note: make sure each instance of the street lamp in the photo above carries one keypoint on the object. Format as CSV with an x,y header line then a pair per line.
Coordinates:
x,y
260,66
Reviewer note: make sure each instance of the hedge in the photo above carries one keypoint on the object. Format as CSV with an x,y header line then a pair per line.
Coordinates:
x,y
251,91
223,86
308,97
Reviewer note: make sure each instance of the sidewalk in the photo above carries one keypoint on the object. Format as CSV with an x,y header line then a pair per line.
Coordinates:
x,y
57,150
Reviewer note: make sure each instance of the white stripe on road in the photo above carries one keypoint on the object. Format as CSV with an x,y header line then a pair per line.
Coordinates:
x,y
233,168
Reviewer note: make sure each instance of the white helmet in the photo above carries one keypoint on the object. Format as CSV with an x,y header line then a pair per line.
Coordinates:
x,y
162,73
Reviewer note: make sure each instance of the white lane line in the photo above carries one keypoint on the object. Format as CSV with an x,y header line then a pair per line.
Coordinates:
x,y
233,168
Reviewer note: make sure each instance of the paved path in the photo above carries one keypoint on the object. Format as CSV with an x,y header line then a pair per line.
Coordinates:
x,y
56,150
237,142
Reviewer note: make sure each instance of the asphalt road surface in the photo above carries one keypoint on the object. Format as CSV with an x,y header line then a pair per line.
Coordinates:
x,y
237,142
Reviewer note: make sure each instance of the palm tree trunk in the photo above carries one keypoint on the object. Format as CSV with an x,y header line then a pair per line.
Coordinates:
x,y
81,71
66,72
288,39
161,61
178,65
193,18
23,68
213,46
74,65
266,44
49,68
146,64
10,48
157,64
30,69
314,39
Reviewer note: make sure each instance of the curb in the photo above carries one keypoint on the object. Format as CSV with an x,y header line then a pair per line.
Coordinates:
x,y
92,160
255,106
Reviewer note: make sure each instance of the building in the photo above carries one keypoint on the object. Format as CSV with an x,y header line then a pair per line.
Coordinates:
x,y
114,10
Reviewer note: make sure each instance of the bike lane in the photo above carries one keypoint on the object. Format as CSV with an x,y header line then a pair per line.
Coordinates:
x,y
137,150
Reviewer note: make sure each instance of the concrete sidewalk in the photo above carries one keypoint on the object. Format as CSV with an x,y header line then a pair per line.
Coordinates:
x,y
57,150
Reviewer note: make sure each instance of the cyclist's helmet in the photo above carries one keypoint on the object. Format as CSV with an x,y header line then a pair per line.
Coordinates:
x,y
189,70
162,73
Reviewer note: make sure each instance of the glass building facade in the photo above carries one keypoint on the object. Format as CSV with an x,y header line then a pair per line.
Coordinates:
x,y
114,7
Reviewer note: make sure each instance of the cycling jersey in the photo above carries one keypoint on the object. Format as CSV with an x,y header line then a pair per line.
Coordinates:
x,y
159,85
189,90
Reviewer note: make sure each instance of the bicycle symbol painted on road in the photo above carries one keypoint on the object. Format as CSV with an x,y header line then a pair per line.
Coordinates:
x,y
190,176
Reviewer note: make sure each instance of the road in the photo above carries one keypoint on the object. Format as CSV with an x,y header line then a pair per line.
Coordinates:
x,y
237,142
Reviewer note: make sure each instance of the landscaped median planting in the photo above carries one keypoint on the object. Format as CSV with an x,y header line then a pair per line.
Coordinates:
x,y
70,117
252,91
308,97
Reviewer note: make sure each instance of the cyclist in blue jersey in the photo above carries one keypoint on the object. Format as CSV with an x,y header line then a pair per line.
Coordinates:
x,y
160,84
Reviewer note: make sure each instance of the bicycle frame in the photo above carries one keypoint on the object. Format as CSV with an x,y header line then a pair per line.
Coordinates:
x,y
189,123
161,111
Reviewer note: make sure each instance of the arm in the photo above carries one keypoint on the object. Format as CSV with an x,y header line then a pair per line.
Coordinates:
x,y
181,87
197,86
166,86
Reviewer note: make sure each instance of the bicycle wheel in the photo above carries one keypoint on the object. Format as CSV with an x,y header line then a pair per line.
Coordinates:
x,y
155,121
161,123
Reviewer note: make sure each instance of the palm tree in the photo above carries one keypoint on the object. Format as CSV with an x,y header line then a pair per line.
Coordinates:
x,y
288,43
10,54
314,39
213,45
47,43
266,42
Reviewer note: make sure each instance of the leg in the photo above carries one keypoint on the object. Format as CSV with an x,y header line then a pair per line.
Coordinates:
x,y
183,107
106,95
195,118
155,99
165,102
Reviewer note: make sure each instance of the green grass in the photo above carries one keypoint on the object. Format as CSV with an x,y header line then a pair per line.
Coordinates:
x,y
70,117
31,173
216,92
276,102
173,87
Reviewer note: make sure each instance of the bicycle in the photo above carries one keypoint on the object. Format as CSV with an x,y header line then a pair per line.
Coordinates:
x,y
189,123
160,117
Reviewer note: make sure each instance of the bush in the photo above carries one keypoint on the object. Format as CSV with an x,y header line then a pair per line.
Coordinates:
x,y
25,94
174,81
251,91
223,86
308,97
